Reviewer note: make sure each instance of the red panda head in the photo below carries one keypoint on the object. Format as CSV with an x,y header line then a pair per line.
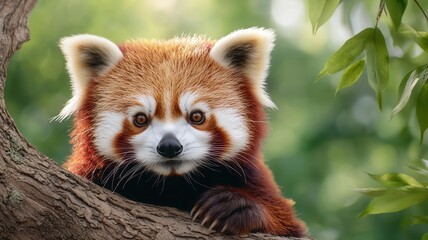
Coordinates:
x,y
173,105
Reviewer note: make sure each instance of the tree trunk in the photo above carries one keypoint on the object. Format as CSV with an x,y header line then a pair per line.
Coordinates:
x,y
40,200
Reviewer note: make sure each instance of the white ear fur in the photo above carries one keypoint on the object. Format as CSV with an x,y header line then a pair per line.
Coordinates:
x,y
248,50
87,56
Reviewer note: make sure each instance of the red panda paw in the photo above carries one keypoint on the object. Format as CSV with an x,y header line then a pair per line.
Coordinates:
x,y
228,211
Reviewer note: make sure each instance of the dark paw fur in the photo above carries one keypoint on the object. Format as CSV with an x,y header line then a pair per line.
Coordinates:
x,y
228,211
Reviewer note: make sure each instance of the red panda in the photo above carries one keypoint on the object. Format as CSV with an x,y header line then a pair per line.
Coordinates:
x,y
179,123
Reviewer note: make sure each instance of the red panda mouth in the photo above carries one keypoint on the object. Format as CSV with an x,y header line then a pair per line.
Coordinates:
x,y
171,163
173,167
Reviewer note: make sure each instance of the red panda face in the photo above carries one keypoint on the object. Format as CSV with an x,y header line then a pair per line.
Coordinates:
x,y
179,144
172,106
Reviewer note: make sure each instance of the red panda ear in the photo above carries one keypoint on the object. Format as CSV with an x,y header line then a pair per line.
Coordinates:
x,y
248,51
87,56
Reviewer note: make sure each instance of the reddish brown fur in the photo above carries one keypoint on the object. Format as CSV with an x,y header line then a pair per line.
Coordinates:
x,y
121,141
278,212
84,159
220,138
158,68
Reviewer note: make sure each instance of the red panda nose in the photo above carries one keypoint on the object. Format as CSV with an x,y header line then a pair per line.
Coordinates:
x,y
169,146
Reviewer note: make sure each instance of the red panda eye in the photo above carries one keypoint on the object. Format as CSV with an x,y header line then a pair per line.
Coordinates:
x,y
197,117
140,120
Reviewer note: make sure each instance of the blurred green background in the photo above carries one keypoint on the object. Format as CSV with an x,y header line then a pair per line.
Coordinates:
x,y
320,144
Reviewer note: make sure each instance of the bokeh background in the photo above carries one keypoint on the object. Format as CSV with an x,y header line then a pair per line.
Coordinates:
x,y
320,146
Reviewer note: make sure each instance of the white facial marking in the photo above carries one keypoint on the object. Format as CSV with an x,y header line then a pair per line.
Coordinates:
x,y
148,106
108,125
186,101
233,123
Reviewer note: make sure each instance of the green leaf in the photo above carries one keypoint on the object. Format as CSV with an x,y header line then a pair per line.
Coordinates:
x,y
420,170
425,236
422,110
396,180
396,200
377,62
425,162
373,192
320,11
351,75
421,38
346,54
396,10
419,220
419,70
407,85
403,83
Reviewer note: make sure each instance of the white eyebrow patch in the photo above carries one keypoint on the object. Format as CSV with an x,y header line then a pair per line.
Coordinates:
x,y
188,103
231,121
148,106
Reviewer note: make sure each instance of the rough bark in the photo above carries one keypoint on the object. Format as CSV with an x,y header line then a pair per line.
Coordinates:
x,y
40,200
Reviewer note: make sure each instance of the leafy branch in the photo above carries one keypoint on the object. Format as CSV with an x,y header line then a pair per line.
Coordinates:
x,y
398,192
368,50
